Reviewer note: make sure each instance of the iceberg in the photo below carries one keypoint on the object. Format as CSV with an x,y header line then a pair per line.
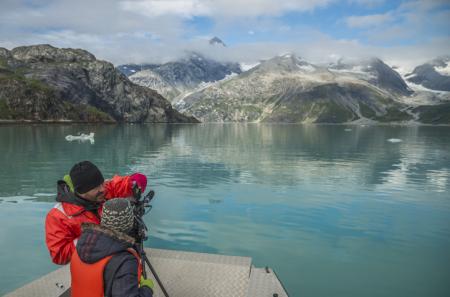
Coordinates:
x,y
394,140
81,137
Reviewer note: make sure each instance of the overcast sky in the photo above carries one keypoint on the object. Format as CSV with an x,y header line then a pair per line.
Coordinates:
x,y
403,33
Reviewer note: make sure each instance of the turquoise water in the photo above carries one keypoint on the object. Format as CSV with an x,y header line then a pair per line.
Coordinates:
x,y
335,210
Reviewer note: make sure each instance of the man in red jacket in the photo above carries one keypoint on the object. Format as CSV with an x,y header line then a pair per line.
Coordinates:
x,y
80,198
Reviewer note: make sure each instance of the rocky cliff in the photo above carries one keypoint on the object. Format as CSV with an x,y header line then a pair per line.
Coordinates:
x,y
42,82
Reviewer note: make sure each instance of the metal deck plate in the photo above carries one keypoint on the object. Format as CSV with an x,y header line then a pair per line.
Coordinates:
x,y
51,285
263,284
197,274
183,274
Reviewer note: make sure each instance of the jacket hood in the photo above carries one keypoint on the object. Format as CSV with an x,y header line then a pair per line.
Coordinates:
x,y
65,195
97,242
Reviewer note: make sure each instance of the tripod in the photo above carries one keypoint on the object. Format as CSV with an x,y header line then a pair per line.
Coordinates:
x,y
141,207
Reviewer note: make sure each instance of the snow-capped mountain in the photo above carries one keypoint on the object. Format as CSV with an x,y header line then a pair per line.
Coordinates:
x,y
375,72
433,75
290,89
185,75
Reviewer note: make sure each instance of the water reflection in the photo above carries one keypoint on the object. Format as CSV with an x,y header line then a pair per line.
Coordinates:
x,y
314,202
199,156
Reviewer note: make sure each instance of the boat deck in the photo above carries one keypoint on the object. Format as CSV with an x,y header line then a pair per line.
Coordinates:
x,y
183,274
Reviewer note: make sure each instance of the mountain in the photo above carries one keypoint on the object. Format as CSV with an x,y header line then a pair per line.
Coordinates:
x,y
433,114
376,72
151,79
130,69
289,89
185,75
42,82
433,75
216,41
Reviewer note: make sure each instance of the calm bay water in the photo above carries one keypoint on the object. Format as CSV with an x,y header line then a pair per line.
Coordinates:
x,y
335,210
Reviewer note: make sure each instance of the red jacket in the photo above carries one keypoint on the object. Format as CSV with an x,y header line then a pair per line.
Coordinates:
x,y
63,222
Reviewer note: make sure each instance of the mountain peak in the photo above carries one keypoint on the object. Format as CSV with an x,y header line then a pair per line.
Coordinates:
x,y
434,75
46,52
287,62
217,41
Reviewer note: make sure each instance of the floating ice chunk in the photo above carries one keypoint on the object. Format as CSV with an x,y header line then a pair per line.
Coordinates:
x,y
348,130
82,137
394,140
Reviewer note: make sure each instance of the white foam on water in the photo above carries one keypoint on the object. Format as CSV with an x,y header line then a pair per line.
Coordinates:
x,y
14,199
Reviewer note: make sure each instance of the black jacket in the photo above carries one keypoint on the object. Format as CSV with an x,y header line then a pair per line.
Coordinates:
x,y
120,274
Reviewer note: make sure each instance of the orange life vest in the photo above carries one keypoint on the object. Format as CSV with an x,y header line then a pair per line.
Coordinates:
x,y
87,279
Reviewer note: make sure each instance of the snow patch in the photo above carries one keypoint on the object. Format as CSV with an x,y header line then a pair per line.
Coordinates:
x,y
248,66
357,70
306,68
443,70
416,87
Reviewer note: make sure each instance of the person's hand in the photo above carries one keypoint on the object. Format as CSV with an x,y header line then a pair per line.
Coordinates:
x,y
146,282
136,190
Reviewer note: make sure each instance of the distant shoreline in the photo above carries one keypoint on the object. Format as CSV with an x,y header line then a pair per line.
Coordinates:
x,y
65,122
6,122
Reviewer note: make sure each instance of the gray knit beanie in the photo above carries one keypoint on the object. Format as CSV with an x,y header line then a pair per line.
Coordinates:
x,y
118,215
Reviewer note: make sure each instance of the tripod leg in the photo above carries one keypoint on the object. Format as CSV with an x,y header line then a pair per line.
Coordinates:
x,y
144,256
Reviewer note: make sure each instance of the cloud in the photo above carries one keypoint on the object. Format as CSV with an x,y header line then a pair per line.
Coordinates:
x,y
154,8
220,8
322,49
101,17
159,31
367,3
412,22
368,20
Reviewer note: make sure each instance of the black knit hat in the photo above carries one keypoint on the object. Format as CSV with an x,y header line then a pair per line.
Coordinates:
x,y
118,215
85,177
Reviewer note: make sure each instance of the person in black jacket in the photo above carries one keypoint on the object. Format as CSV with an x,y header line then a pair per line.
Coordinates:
x,y
108,247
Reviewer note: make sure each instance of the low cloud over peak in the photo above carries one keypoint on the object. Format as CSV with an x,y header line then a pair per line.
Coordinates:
x,y
159,31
